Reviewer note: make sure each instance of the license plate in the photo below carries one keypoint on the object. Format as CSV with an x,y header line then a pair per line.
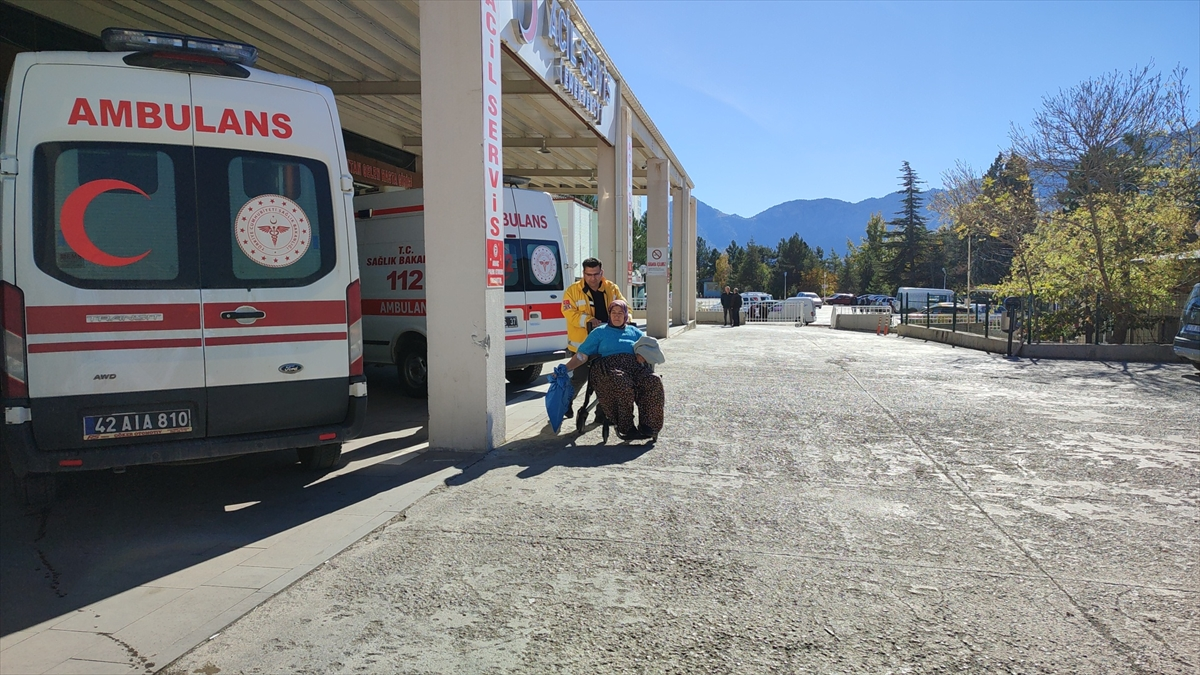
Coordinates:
x,y
1191,328
510,322
132,424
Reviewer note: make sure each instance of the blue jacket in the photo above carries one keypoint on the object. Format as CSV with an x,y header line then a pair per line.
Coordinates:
x,y
607,340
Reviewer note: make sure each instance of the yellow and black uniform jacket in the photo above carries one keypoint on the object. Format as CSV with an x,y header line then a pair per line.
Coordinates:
x,y
578,310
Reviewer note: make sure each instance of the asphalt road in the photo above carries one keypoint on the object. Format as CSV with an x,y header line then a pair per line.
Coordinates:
x,y
819,502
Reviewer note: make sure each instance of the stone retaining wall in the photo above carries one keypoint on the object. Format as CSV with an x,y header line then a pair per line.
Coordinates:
x,y
1045,350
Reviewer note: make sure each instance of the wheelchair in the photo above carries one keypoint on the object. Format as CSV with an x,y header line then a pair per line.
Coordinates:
x,y
589,404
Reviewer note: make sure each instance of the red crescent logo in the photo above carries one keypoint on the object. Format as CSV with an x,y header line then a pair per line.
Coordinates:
x,y
72,222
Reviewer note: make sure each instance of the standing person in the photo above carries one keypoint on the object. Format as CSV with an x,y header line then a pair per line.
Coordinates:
x,y
622,379
585,306
737,307
727,305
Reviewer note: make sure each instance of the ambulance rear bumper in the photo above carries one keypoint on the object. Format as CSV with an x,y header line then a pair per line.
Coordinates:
x,y
24,456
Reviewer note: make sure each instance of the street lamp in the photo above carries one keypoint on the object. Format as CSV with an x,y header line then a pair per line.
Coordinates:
x,y
785,283
943,277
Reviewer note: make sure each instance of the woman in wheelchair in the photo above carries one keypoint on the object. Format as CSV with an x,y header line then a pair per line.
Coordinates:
x,y
622,378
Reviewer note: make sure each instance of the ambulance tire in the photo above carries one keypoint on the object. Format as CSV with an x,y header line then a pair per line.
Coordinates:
x,y
321,457
36,490
412,368
523,376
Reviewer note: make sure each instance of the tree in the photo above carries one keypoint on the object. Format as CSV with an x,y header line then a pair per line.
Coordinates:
x,y
868,262
752,271
1104,148
906,240
706,264
721,270
792,258
639,241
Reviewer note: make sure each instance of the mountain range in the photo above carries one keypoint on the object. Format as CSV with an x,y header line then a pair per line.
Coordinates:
x,y
827,223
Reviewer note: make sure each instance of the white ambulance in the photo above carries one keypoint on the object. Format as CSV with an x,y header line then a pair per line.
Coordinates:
x,y
391,248
178,267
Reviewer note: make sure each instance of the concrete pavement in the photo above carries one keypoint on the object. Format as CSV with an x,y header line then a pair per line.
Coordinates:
x,y
819,501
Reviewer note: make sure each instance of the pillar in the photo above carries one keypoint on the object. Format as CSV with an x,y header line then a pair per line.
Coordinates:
x,y
679,290
464,315
690,256
657,230
623,268
606,208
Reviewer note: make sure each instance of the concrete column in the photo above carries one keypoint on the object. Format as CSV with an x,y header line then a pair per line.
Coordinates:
x,y
465,318
623,264
678,264
606,208
690,256
657,229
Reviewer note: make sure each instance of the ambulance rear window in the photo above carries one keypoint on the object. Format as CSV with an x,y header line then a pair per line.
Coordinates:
x,y
110,215
265,220
543,265
512,266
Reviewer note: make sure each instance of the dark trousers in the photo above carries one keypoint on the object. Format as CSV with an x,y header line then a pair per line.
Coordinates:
x,y
737,316
728,316
579,379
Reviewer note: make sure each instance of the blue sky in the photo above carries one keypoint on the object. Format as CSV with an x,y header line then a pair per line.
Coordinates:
x,y
766,102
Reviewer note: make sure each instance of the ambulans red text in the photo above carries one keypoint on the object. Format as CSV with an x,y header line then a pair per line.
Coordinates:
x,y
150,115
526,220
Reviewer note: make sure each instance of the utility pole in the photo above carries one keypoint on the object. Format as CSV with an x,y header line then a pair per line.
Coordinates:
x,y
968,269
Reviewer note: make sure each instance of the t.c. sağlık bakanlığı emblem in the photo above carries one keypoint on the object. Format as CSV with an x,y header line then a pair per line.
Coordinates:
x,y
272,230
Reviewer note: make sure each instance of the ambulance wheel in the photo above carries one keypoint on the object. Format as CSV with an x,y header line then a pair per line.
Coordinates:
x,y
36,490
321,457
413,369
523,376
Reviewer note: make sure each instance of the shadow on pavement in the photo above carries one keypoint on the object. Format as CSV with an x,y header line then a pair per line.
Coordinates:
x,y
548,450
108,533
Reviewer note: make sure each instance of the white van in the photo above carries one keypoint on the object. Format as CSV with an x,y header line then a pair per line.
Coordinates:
x,y
391,248
177,261
798,308
917,299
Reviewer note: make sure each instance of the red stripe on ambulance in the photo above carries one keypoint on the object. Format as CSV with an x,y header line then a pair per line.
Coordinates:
x,y
374,307
273,339
110,318
106,345
299,313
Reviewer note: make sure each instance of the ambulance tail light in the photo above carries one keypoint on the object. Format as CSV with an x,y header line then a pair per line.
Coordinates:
x,y
12,311
354,331
130,40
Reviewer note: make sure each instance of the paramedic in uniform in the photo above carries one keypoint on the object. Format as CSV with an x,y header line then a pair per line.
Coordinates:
x,y
585,306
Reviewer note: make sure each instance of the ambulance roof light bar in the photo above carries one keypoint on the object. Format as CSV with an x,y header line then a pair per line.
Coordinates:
x,y
131,40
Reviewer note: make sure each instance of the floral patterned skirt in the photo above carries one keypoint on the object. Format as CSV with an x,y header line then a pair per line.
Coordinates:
x,y
620,383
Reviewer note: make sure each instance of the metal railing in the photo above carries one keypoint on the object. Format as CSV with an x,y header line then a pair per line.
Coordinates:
x,y
1038,321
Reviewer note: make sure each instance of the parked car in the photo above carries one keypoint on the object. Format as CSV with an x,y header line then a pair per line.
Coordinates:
x,y
799,308
1187,341
943,309
840,299
816,299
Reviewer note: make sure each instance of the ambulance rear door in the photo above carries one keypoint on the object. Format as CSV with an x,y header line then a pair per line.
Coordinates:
x,y
275,267
106,254
542,269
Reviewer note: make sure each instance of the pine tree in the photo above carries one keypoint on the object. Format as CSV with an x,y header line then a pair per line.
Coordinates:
x,y
906,238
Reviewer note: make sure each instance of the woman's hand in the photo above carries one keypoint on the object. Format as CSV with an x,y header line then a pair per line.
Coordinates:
x,y
640,359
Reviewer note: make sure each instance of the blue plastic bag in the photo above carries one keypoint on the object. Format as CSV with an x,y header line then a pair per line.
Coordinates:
x,y
558,398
